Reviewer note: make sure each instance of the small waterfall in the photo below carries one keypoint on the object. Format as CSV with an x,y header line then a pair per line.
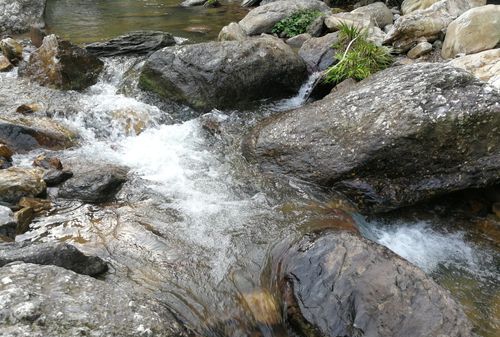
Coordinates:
x,y
302,96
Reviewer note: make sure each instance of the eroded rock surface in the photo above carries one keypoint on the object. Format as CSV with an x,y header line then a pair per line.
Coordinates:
x,y
16,16
41,301
338,284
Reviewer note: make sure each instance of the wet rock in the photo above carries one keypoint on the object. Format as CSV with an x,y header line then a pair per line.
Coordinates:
x,y
427,23
40,301
379,13
192,3
16,183
484,65
318,52
47,162
27,109
298,40
25,134
232,32
8,223
224,74
16,16
404,135
94,185
263,18
56,177
56,254
200,29
12,50
5,64
420,49
39,206
263,307
134,43
338,284
24,217
6,152
476,30
62,65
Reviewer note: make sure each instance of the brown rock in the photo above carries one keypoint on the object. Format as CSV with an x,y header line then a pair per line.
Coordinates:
x,y
12,50
28,108
47,162
5,64
62,65
6,152
24,217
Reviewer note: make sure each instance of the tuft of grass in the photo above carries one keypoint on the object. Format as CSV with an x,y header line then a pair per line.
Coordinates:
x,y
357,57
295,24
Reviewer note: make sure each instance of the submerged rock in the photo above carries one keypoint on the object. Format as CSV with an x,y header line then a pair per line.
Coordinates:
x,y
57,254
338,284
476,30
16,183
263,18
41,301
23,134
404,135
96,184
62,65
134,43
16,16
224,74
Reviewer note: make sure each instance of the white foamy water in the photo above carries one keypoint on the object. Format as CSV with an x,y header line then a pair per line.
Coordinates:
x,y
426,247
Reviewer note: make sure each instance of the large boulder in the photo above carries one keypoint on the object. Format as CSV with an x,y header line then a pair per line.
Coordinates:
x,y
23,134
224,74
16,183
338,284
16,16
378,12
62,65
133,43
409,6
476,30
427,24
404,135
484,65
318,52
41,301
263,18
95,184
57,254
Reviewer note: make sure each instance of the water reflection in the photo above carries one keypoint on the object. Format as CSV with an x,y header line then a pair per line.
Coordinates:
x,y
84,21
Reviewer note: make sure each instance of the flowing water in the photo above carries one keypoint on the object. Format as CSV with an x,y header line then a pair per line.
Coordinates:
x,y
195,222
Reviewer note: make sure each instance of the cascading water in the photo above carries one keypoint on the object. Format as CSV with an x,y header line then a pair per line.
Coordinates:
x,y
193,224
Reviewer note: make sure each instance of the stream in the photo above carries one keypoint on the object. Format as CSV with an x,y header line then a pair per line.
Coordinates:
x,y
195,223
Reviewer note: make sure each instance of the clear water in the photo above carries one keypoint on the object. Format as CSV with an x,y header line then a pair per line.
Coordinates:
x,y
194,223
84,21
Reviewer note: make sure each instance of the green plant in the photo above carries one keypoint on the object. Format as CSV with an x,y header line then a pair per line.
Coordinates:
x,y
295,24
357,57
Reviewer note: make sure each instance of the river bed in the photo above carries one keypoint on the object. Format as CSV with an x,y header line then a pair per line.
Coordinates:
x,y
195,223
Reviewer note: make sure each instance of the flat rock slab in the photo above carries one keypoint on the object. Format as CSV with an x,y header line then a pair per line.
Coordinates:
x,y
58,254
42,301
338,284
134,43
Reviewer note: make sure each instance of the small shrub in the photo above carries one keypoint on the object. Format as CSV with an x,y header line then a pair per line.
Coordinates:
x,y
296,24
357,57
